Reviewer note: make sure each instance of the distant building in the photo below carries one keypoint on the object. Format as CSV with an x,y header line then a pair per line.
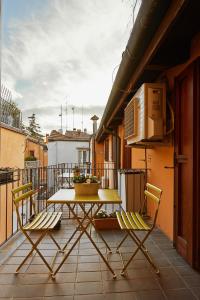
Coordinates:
x,y
71,147
17,146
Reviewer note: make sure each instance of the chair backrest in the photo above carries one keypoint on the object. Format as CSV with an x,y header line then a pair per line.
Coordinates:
x,y
153,193
21,193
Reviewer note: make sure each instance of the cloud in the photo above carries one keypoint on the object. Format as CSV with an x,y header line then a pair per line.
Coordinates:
x,y
65,53
45,111
50,114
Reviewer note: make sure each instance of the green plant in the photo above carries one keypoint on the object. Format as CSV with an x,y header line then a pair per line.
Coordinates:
x,y
92,179
104,214
34,128
30,158
79,179
76,171
85,179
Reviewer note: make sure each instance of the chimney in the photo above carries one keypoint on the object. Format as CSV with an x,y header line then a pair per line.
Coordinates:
x,y
46,138
94,119
85,130
60,131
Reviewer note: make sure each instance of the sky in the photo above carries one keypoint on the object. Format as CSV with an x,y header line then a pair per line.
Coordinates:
x,y
63,52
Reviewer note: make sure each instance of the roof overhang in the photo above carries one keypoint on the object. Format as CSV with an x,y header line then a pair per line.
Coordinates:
x,y
160,39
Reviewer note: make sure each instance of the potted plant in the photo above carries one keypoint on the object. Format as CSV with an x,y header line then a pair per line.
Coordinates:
x,y
86,185
106,221
30,158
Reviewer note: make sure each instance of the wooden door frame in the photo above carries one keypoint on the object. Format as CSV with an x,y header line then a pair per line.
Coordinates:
x,y
196,203
196,162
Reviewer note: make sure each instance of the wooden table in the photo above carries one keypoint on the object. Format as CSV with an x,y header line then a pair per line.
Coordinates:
x,y
95,202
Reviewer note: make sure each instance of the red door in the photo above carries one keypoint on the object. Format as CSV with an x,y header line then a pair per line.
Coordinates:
x,y
187,179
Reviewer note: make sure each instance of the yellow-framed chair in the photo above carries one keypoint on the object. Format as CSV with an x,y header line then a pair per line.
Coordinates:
x,y
133,222
43,222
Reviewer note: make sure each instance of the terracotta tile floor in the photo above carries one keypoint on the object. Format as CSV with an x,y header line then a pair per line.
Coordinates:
x,y
85,277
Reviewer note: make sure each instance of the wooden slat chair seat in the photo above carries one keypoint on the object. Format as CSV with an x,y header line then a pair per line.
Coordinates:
x,y
133,222
43,222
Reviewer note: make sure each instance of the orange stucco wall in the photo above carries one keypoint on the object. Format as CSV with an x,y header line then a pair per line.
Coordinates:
x,y
6,206
159,157
98,162
106,167
12,148
12,153
110,148
121,135
38,150
99,149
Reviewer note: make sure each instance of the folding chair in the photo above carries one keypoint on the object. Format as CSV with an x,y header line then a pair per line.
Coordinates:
x,y
133,222
43,222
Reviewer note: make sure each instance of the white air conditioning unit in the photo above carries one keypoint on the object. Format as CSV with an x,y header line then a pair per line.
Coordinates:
x,y
145,115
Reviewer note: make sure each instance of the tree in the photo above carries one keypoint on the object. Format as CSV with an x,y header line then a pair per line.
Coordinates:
x,y
34,128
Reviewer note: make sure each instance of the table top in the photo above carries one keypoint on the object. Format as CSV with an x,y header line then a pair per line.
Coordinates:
x,y
105,196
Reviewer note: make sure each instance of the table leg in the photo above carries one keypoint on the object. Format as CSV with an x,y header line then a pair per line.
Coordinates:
x,y
77,228
78,238
90,238
101,236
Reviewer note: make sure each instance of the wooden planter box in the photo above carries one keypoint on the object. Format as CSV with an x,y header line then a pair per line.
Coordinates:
x,y
86,188
106,223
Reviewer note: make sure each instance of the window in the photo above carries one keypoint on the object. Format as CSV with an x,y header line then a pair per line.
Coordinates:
x,y
32,153
82,156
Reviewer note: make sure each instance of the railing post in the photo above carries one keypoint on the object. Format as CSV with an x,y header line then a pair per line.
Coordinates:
x,y
31,199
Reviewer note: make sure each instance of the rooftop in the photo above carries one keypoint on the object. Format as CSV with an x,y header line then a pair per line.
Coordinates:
x,y
69,135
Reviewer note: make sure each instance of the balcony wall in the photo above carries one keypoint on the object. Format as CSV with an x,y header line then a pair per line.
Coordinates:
x,y
38,150
157,159
12,143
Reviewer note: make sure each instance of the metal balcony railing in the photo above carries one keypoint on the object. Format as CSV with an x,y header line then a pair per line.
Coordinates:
x,y
47,180
10,114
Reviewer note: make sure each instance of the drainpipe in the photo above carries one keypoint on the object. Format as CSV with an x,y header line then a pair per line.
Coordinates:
x,y
94,119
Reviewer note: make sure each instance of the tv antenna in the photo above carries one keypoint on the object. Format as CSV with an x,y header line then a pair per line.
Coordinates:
x,y
60,115
73,115
82,117
66,116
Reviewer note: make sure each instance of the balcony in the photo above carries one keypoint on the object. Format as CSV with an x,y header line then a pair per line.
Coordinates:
x,y
84,275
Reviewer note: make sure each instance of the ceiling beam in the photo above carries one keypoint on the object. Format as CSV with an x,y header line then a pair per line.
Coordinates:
x,y
152,67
